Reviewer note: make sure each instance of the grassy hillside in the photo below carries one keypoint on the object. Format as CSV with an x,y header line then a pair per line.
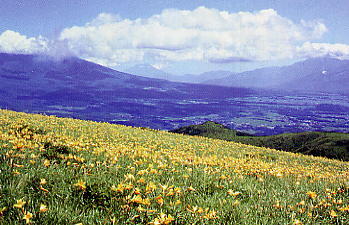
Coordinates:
x,y
331,145
65,171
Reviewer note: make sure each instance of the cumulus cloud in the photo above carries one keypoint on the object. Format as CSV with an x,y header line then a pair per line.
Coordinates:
x,y
229,60
199,34
14,42
309,49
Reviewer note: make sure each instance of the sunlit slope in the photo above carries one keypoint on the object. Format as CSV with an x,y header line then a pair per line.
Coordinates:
x,y
71,171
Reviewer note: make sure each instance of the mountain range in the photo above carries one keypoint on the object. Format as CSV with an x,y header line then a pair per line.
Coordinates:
x,y
315,74
323,74
35,76
76,88
150,71
81,89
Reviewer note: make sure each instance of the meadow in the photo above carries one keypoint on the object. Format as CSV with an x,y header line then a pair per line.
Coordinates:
x,y
67,171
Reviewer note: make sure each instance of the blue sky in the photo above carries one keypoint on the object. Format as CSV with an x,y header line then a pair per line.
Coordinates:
x,y
53,20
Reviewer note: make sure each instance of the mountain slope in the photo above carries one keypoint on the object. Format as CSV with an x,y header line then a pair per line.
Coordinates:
x,y
79,89
82,89
206,76
331,145
65,171
316,74
150,71
74,73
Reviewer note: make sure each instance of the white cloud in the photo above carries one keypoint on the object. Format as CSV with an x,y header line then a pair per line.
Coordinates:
x,y
159,66
14,42
177,35
200,34
309,49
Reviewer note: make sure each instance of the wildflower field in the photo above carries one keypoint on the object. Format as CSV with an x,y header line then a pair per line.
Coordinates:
x,y
65,171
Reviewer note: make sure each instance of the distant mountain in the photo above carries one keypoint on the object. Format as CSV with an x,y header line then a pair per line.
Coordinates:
x,y
147,70
150,71
78,88
202,77
316,74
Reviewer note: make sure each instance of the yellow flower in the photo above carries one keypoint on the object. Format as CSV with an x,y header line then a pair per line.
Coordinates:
x,y
43,189
43,208
333,213
236,203
159,200
156,221
47,163
43,181
223,177
344,209
211,215
16,172
338,202
297,222
137,191
128,186
146,201
2,210
129,177
191,189
301,203
311,194
20,203
142,172
119,188
137,199
81,185
178,190
233,193
150,187
153,171
200,210
141,180
17,165
162,219
27,216
170,192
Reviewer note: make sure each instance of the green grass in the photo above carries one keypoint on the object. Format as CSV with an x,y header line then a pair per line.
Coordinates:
x,y
330,145
98,173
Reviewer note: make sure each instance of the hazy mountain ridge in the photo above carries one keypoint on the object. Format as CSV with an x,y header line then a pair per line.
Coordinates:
x,y
85,90
323,74
80,89
315,74
150,71
73,73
